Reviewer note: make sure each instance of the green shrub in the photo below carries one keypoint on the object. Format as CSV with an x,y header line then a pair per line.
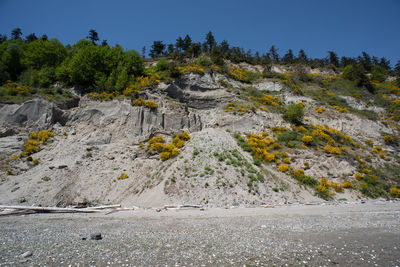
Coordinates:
x,y
288,136
204,61
294,114
162,64
379,74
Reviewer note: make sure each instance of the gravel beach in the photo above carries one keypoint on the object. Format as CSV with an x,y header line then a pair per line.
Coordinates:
x,y
351,234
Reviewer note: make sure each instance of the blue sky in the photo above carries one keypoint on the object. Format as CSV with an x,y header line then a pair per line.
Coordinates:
x,y
344,26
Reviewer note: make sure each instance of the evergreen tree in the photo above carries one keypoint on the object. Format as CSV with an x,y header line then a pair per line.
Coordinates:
x,y
44,37
30,38
224,46
144,51
273,54
187,43
195,49
384,63
170,49
180,44
104,43
210,41
93,36
397,68
333,59
157,49
302,57
3,38
288,57
16,34
365,61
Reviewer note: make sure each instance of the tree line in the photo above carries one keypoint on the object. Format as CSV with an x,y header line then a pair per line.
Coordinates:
x,y
93,65
185,47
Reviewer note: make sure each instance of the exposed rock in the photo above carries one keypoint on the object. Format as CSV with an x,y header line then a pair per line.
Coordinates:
x,y
136,121
37,112
26,254
357,104
198,91
7,132
95,236
268,86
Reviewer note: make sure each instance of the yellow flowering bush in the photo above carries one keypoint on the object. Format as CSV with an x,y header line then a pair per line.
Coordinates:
x,y
332,150
300,129
377,149
240,74
123,176
336,186
170,150
301,104
283,167
157,139
323,191
359,176
146,103
388,139
32,145
347,184
340,109
191,68
369,142
268,100
395,192
323,135
320,109
278,129
307,139
299,174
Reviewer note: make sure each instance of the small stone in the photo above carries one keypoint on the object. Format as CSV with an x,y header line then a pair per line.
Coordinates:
x,y
62,166
22,200
15,189
158,210
26,254
51,167
95,236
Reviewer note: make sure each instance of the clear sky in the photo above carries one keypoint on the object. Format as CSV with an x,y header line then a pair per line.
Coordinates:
x,y
344,26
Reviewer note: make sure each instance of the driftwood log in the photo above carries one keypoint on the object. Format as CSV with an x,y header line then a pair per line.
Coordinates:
x,y
46,209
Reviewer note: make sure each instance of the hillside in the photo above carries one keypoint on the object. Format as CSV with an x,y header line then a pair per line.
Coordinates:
x,y
237,135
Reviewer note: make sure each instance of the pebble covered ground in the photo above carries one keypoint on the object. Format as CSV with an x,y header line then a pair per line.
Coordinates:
x,y
298,235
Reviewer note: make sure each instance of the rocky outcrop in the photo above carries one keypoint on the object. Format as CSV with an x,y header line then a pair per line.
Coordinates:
x,y
198,91
131,121
37,112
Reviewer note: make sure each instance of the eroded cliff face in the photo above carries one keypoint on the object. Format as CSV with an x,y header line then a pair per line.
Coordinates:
x,y
96,142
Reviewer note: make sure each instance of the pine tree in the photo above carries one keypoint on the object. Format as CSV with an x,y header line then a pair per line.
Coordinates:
x,y
157,49
210,41
30,38
302,57
333,59
93,36
16,33
273,54
288,57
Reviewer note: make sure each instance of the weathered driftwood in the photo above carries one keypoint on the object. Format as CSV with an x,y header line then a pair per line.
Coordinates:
x,y
180,207
105,207
16,212
119,209
47,209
